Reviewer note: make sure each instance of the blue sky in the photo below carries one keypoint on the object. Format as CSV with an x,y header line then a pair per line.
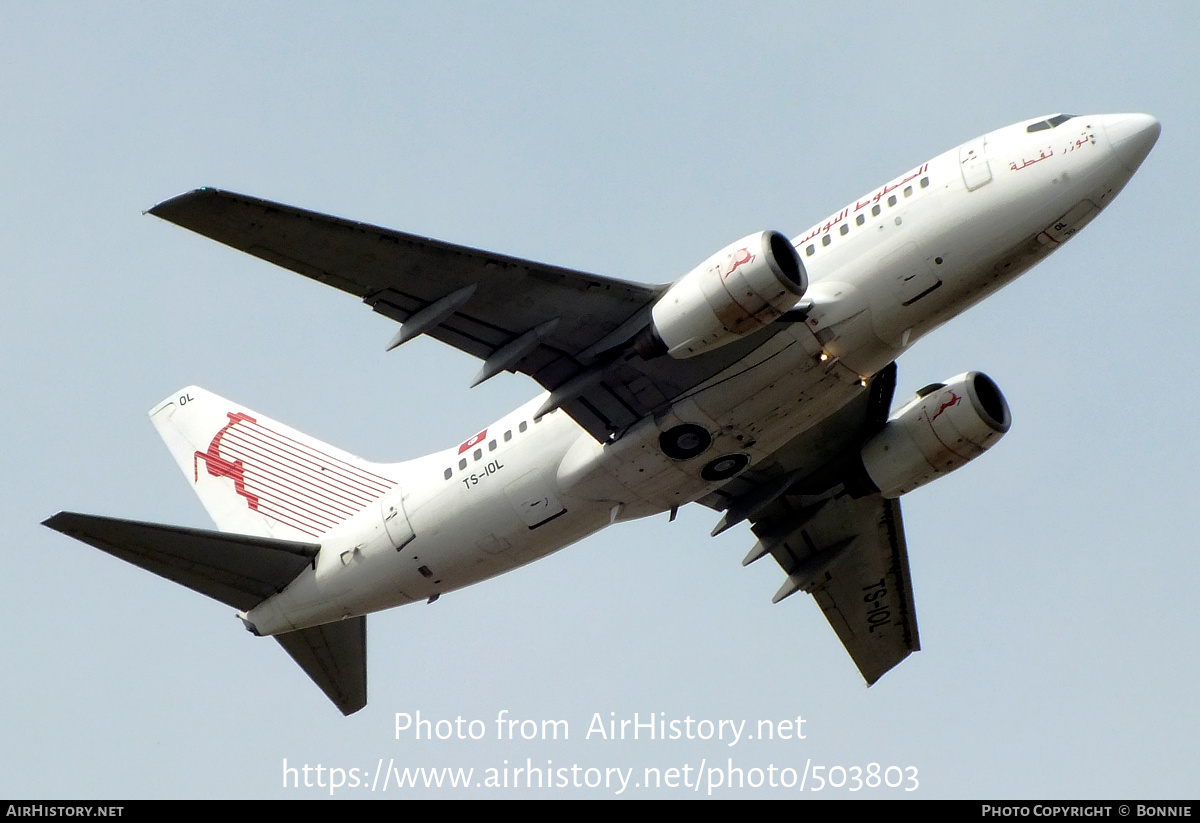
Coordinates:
x,y
1052,577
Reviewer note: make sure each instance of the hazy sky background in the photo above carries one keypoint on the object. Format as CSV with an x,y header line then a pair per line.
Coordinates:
x,y
1055,578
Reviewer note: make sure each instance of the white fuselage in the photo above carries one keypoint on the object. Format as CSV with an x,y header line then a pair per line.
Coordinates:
x,y
884,271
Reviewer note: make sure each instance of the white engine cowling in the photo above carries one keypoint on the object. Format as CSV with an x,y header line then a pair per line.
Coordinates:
x,y
944,427
742,288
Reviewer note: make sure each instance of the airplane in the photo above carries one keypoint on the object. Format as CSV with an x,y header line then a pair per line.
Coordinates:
x,y
760,384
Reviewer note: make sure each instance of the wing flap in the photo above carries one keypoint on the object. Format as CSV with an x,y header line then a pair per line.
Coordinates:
x,y
335,657
238,570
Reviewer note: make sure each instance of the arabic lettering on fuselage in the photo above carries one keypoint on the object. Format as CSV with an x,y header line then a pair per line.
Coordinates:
x,y
1086,138
1045,153
859,205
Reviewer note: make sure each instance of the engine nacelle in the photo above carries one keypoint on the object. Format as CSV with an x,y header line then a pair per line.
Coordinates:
x,y
944,427
742,288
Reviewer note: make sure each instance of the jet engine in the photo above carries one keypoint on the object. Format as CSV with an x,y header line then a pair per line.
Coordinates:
x,y
742,288
945,426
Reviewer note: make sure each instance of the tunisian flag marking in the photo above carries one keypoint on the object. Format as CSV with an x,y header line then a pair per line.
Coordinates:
x,y
477,439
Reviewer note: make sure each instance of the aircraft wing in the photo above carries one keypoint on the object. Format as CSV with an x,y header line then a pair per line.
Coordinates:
x,y
563,328
842,546
850,555
867,597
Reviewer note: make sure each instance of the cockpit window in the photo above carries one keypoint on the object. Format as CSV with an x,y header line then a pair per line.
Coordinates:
x,y
1056,120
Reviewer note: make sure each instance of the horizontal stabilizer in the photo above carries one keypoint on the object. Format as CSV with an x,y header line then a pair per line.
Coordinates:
x,y
335,657
238,570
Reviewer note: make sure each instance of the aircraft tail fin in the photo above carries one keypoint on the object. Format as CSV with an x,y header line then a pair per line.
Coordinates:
x,y
259,477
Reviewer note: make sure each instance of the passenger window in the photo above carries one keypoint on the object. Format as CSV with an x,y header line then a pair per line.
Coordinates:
x,y
924,182
478,454
875,210
891,201
449,473
523,426
491,445
845,229
908,191
858,221
508,435
462,464
826,240
810,250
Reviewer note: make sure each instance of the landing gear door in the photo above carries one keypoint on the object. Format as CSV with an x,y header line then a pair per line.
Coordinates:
x,y
395,520
972,159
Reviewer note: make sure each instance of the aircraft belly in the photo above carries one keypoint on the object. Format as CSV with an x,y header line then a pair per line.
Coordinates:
x,y
448,553
494,537
467,531
748,411
464,533
533,497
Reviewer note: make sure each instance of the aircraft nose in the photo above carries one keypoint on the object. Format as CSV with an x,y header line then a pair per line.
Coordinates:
x,y
1131,136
